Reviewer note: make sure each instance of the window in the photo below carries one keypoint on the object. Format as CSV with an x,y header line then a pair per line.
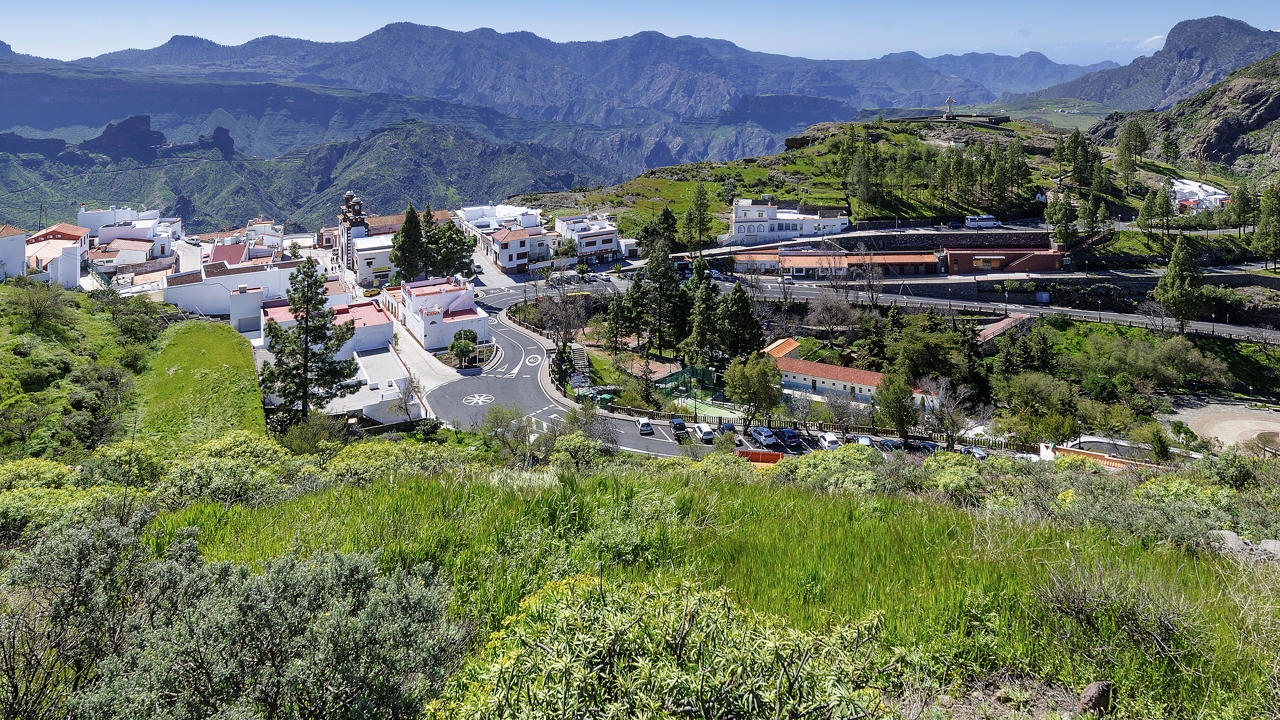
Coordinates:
x,y
504,246
589,243
521,243
509,257
607,241
522,256
742,229
770,228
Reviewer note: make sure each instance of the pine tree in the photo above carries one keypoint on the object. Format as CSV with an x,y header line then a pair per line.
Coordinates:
x,y
1169,147
448,250
1149,212
662,228
1266,236
1104,218
664,291
740,331
1179,290
700,347
304,373
697,219
408,248
1062,215
1244,205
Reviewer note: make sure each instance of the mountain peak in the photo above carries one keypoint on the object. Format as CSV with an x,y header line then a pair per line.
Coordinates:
x,y
5,50
188,42
1205,35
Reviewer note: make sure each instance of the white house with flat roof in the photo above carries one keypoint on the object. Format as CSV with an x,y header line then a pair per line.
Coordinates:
x,y
372,259
1195,197
13,252
595,234
758,221
507,234
434,310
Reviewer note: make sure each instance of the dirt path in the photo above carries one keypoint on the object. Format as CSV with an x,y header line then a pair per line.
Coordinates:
x,y
1230,424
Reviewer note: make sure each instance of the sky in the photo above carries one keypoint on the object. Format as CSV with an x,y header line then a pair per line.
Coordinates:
x,y
1082,31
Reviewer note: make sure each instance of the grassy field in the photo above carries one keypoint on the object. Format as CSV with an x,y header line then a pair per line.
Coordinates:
x,y
199,386
1059,112
957,592
1136,243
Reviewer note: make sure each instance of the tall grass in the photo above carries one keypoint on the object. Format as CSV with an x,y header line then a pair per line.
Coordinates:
x,y
201,385
957,592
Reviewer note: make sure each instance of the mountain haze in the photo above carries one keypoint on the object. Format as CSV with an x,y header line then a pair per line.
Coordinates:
x,y
1196,54
642,78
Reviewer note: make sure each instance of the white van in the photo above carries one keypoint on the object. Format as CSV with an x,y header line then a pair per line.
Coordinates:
x,y
703,432
828,441
981,221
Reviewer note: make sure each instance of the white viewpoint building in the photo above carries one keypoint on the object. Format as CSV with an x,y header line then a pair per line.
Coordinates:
x,y
760,221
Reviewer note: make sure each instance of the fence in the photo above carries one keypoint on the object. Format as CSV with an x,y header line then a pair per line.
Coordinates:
x,y
822,427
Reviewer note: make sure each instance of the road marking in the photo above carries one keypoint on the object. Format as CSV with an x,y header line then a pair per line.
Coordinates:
x,y
477,399
533,360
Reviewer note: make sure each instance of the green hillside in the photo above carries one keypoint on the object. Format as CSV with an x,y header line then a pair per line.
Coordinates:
x,y
446,166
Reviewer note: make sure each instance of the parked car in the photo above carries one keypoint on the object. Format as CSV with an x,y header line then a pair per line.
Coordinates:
x,y
764,436
787,280
703,432
1029,457
924,446
864,440
678,428
478,268
192,241
955,225
727,428
828,441
644,426
789,437
974,451
890,445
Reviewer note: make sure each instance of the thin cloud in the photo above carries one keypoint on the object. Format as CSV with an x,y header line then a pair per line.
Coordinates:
x,y
1151,43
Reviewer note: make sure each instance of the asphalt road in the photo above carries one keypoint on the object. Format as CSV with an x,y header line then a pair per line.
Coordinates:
x,y
513,380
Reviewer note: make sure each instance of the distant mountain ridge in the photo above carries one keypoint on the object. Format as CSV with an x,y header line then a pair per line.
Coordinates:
x,y
643,78
1234,123
1196,54
214,187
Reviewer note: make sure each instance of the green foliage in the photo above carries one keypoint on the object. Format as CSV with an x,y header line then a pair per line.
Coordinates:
x,y
741,332
317,434
755,383
408,247
894,400
956,475
849,468
305,373
34,473
237,468
1179,288
366,462
324,636
200,385
580,648
39,305
1266,236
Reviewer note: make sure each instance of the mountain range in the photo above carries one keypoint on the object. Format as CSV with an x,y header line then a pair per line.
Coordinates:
x,y
641,78
1196,54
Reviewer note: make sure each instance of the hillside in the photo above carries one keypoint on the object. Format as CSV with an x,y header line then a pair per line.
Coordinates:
x,y
644,78
1235,123
211,189
1196,54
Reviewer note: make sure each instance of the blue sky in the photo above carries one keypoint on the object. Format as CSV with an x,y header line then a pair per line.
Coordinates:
x,y
1083,31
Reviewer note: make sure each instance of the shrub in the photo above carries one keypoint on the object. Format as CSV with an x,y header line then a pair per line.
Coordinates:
x,y
362,463
318,434
134,464
580,648
133,357
34,473
851,467
954,474
33,508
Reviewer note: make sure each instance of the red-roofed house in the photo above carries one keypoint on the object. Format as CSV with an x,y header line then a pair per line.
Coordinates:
x,y
373,326
64,231
434,310
783,347
821,378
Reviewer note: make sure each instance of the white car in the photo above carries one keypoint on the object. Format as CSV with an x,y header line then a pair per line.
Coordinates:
x,y
644,426
828,441
703,432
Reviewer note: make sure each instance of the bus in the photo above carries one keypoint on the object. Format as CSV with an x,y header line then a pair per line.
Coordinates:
x,y
981,221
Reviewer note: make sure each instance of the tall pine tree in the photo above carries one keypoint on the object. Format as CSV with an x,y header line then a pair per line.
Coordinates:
x,y
1179,290
1266,235
740,331
663,296
304,373
408,248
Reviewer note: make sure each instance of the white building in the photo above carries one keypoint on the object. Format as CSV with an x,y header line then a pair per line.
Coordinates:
x,y
756,221
820,378
95,219
164,232
386,393
595,234
509,235
371,257
123,251
373,326
13,252
209,290
1194,197
434,310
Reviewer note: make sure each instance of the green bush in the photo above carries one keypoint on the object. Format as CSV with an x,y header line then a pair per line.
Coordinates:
x,y
362,463
34,473
581,648
33,508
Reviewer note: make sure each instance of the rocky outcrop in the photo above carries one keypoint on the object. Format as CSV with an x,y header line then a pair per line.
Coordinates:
x,y
130,138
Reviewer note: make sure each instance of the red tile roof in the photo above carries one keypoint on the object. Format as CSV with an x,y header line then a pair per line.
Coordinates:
x,y
781,347
362,314
8,230
508,234
65,229
130,244
829,372
229,254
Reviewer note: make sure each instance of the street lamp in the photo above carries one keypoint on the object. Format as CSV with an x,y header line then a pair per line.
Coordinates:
x,y
1006,303
1213,323
1099,311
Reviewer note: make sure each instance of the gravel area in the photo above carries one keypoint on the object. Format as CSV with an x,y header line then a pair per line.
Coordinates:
x,y
1229,423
